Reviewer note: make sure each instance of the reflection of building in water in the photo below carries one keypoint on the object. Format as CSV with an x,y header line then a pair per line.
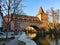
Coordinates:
x,y
44,40
55,42
30,32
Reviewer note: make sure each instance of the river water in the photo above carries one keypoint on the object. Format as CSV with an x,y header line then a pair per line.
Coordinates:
x,y
48,39
43,39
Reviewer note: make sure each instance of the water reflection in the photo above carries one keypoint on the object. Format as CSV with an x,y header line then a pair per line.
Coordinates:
x,y
41,39
48,39
5,41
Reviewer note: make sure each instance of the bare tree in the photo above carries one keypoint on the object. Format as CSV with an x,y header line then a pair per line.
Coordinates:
x,y
54,14
58,13
12,6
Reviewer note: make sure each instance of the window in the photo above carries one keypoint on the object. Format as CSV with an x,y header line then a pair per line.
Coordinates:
x,y
39,16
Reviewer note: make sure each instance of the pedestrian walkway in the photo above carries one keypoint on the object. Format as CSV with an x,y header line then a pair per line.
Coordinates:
x,y
14,41
21,38
26,40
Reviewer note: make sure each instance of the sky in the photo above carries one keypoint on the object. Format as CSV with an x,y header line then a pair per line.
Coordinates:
x,y
32,6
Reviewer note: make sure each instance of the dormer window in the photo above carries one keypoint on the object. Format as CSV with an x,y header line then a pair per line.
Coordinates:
x,y
39,16
40,12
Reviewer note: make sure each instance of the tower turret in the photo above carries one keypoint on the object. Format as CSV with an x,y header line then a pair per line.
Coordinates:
x,y
43,17
40,13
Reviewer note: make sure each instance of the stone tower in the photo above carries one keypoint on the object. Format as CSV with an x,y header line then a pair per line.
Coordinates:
x,y
43,17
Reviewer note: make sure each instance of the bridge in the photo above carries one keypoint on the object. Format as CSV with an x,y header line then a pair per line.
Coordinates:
x,y
21,22
31,24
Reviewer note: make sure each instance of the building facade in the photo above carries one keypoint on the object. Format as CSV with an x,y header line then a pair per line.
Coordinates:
x,y
20,22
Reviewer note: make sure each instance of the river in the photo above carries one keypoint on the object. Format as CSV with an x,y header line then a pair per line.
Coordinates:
x,y
48,39
45,39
